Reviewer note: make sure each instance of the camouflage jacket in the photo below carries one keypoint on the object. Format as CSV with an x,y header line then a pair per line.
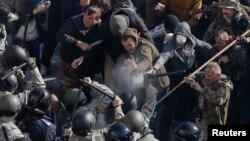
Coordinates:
x,y
11,129
219,23
214,99
95,135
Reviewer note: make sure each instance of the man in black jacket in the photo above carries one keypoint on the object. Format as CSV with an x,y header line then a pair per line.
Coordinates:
x,y
75,36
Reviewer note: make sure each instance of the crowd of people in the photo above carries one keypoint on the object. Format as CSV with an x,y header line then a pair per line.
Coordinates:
x,y
169,68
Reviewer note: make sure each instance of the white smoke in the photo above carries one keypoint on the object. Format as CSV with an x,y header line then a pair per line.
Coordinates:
x,y
127,81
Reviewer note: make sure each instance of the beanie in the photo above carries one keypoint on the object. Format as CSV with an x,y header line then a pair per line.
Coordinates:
x,y
118,25
170,22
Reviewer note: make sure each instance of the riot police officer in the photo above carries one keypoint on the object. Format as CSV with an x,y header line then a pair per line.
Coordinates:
x,y
136,120
9,106
119,132
83,125
39,126
13,56
9,84
187,131
129,102
16,83
64,113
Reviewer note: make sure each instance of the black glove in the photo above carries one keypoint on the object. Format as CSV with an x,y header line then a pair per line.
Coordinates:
x,y
31,62
242,40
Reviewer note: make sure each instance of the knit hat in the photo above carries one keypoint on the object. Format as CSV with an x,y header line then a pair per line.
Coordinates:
x,y
170,22
118,25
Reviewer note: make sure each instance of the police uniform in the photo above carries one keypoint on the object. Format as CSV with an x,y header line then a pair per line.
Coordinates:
x,y
41,129
2,68
37,82
148,110
11,129
95,135
9,105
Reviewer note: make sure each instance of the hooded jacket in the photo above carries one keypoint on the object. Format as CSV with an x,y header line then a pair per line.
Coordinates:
x,y
181,57
111,43
144,56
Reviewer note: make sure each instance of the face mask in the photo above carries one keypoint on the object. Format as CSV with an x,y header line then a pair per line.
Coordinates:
x,y
181,39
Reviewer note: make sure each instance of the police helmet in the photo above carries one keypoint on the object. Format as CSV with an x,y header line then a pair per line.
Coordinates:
x,y
187,131
10,83
70,97
83,122
14,56
135,120
4,13
40,100
129,102
9,104
119,132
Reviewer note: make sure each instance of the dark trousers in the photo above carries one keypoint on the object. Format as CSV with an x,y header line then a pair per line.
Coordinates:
x,y
54,23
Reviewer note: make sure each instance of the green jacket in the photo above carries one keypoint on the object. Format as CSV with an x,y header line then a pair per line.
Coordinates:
x,y
145,56
216,98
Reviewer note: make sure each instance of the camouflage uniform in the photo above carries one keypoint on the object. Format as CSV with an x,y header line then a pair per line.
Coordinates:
x,y
147,110
214,99
3,40
2,68
37,82
219,22
102,100
213,102
11,129
98,99
95,135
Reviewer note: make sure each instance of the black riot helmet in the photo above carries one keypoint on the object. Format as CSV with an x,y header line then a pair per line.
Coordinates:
x,y
9,105
40,100
129,102
69,99
119,132
14,56
83,122
187,131
4,13
10,83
